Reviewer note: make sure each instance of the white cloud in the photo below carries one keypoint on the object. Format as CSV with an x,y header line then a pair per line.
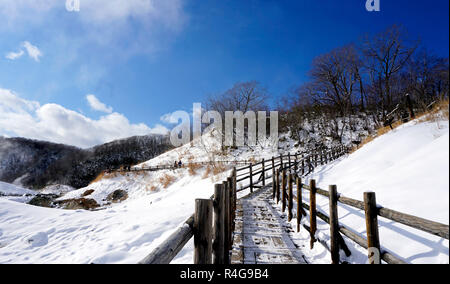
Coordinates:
x,y
97,105
32,51
124,27
169,118
52,122
14,55
104,12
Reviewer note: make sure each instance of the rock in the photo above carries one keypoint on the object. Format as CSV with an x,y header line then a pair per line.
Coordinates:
x,y
80,203
88,192
44,200
117,196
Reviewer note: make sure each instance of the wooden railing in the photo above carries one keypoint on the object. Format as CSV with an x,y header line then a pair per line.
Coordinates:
x,y
213,223
370,207
213,242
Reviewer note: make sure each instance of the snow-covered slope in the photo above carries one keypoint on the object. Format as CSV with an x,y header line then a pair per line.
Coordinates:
x,y
122,233
209,149
10,189
408,168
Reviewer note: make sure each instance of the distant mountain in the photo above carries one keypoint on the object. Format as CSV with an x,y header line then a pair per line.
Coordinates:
x,y
39,163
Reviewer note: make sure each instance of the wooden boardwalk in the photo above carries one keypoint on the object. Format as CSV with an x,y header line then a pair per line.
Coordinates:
x,y
262,232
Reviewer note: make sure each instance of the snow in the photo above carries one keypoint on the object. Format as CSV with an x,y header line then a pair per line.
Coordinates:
x,y
125,233
120,233
408,169
13,190
208,149
56,189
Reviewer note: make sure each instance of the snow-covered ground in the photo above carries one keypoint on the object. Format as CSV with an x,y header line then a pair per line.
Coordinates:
x,y
408,169
209,149
121,233
15,193
10,189
124,233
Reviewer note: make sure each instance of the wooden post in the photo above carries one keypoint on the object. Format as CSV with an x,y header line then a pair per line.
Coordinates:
x,y
203,231
299,203
226,222
251,178
263,174
273,178
219,229
289,161
303,166
283,191
295,165
234,193
277,188
334,224
373,238
312,211
290,196
230,213
273,165
310,163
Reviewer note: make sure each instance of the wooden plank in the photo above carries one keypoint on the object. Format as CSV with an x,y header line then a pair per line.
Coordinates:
x,y
203,231
263,174
283,191
373,237
435,228
226,222
273,178
230,213
219,230
168,250
334,225
312,212
290,196
278,186
251,178
299,203
431,227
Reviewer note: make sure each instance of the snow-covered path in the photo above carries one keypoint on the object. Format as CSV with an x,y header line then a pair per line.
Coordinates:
x,y
262,233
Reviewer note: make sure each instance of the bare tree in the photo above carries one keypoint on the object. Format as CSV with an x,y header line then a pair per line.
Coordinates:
x,y
385,54
427,77
336,78
243,97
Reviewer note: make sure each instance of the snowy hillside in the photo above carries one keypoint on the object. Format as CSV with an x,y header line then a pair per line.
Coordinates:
x,y
157,203
408,168
37,164
13,190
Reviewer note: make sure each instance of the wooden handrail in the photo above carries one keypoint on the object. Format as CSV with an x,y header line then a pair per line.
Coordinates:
x,y
432,227
165,252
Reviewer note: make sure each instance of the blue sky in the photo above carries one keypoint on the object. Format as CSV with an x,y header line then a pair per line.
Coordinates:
x,y
142,59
